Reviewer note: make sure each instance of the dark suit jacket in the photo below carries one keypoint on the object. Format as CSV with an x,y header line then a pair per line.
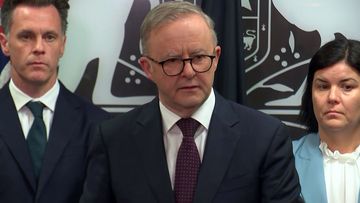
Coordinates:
x,y
64,166
248,158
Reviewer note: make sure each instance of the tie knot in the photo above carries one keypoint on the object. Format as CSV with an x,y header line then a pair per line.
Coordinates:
x,y
188,126
36,108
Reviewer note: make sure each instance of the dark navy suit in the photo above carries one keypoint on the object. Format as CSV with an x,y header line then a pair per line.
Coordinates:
x,y
248,158
64,166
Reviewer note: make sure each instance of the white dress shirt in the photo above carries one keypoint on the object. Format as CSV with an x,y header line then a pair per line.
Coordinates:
x,y
173,135
342,175
25,116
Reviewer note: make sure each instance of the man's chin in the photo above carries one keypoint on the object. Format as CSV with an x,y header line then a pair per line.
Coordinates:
x,y
38,81
192,102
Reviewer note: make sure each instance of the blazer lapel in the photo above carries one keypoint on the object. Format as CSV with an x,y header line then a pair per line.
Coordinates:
x,y
61,130
220,145
311,171
11,133
148,136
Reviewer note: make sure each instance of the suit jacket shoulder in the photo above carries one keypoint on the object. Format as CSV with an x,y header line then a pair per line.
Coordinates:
x,y
309,164
250,118
65,154
89,110
247,158
249,150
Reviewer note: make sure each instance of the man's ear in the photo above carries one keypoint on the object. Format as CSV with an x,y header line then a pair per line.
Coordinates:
x,y
217,56
4,44
62,49
146,66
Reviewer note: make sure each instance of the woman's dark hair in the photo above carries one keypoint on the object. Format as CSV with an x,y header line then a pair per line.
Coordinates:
x,y
339,49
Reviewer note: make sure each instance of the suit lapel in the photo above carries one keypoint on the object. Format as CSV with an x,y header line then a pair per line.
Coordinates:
x,y
11,133
149,139
61,130
311,171
220,145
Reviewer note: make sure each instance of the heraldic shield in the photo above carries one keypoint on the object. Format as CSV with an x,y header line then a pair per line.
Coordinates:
x,y
275,61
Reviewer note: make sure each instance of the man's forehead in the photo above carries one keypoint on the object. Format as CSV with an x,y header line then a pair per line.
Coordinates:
x,y
25,11
47,15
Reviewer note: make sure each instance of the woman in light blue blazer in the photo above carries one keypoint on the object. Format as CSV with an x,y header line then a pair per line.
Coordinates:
x,y
327,159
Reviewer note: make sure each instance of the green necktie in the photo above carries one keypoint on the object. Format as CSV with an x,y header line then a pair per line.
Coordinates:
x,y
36,138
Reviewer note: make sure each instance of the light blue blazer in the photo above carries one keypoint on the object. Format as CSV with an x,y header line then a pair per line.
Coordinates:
x,y
309,165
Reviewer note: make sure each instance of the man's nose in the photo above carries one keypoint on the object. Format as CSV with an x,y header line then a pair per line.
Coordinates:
x,y
188,70
39,45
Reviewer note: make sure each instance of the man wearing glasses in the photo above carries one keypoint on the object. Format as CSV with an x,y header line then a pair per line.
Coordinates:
x,y
189,144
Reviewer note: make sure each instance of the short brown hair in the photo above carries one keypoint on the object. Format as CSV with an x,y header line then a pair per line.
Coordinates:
x,y
62,6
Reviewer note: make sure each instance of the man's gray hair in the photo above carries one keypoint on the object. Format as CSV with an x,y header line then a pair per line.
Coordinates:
x,y
169,12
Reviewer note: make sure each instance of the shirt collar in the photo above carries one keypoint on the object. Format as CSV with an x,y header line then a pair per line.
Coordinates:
x,y
48,99
202,115
336,155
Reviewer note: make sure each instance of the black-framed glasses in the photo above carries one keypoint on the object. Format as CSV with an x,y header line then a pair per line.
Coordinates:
x,y
175,66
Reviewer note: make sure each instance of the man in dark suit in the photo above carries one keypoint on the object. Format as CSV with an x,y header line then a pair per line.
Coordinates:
x,y
153,153
41,160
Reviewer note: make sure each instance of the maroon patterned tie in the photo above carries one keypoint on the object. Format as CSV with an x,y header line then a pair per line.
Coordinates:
x,y
187,163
